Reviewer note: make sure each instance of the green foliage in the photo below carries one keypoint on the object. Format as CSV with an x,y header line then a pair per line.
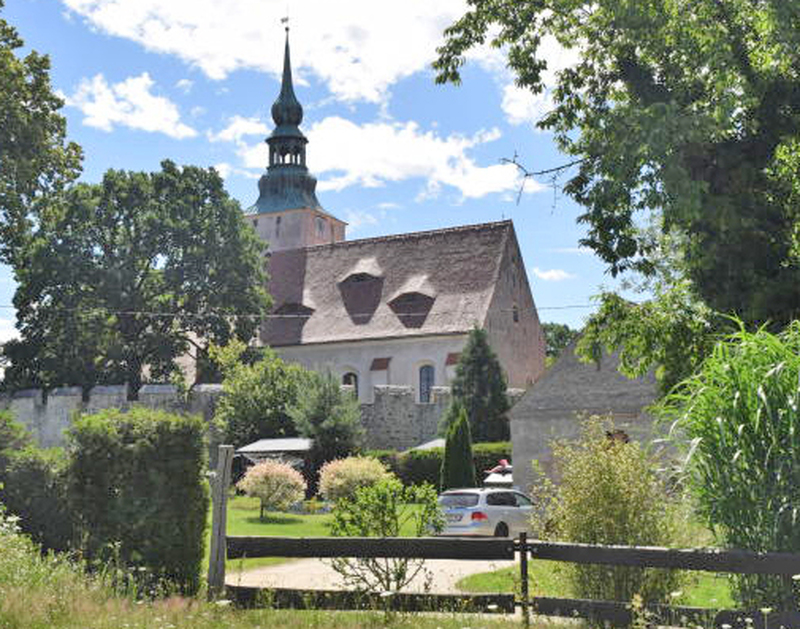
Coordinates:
x,y
343,477
686,112
609,493
330,417
416,467
34,489
257,397
136,482
738,418
383,510
557,337
670,334
276,484
458,468
13,438
480,387
35,159
129,273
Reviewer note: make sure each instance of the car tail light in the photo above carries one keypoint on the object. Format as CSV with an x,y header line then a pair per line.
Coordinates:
x,y
479,516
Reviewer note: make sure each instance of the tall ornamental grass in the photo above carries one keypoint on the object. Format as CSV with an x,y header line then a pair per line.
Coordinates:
x,y
738,419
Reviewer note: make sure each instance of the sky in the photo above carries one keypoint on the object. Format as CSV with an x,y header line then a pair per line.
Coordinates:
x,y
193,81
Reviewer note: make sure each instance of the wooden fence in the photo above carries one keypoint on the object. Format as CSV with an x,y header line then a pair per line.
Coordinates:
x,y
616,613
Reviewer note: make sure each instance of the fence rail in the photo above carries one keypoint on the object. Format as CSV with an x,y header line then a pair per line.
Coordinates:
x,y
400,547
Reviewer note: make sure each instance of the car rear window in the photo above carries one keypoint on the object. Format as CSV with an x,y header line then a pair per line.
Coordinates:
x,y
458,500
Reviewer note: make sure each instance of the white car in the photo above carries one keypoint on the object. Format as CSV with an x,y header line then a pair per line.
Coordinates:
x,y
487,511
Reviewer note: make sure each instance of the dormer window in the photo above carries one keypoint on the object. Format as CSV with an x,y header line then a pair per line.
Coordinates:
x,y
290,310
412,308
361,295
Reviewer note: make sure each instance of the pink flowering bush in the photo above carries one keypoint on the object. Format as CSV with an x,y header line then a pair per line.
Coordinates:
x,y
278,485
343,477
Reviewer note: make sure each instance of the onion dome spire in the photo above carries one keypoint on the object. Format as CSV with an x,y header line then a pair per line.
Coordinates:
x,y
287,183
287,110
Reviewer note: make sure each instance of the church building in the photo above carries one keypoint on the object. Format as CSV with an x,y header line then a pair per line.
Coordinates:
x,y
390,310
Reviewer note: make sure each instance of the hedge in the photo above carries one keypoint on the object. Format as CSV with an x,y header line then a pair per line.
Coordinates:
x,y
136,481
423,466
35,490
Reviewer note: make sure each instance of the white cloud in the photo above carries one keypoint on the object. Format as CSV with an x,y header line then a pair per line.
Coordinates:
x,y
238,128
7,330
373,154
356,219
388,205
583,251
520,105
225,170
184,85
552,275
359,48
129,103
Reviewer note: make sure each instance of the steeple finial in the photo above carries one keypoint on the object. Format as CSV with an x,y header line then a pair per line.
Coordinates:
x,y
287,111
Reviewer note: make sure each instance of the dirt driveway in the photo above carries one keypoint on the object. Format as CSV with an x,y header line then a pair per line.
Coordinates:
x,y
316,574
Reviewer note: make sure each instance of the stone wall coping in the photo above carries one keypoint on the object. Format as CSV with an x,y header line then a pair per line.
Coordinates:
x,y
68,391
109,389
27,393
164,389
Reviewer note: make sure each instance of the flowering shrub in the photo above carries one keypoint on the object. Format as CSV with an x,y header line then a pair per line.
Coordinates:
x,y
343,477
278,485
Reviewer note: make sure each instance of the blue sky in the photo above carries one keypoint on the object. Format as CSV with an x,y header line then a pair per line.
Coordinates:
x,y
193,81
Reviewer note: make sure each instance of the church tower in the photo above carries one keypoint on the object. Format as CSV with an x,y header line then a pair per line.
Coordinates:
x,y
287,213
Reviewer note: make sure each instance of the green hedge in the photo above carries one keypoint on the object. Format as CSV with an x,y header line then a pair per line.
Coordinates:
x,y
136,481
35,490
423,466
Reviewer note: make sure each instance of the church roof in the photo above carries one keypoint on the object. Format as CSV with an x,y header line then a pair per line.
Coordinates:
x,y
417,284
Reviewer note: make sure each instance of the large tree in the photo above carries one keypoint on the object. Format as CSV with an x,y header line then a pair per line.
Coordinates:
x,y
480,388
120,279
35,158
686,110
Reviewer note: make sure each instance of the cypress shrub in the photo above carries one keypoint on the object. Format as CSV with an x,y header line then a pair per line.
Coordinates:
x,y
458,468
35,490
136,481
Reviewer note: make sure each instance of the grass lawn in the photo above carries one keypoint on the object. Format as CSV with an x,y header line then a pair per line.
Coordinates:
x,y
243,519
546,578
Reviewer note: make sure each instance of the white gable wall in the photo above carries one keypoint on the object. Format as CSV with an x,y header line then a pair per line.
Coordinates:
x,y
407,356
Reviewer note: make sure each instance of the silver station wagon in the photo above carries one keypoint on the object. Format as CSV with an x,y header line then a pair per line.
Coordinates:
x,y
488,511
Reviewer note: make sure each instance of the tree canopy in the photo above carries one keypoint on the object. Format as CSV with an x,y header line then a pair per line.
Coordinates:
x,y
257,397
131,274
35,158
683,110
557,336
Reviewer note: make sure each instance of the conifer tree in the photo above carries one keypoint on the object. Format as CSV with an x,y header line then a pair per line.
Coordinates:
x,y
458,469
480,387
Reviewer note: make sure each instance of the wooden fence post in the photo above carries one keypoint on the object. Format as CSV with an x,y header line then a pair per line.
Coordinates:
x,y
219,505
523,573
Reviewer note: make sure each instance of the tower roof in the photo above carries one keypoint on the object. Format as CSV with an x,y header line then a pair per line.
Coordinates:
x,y
287,184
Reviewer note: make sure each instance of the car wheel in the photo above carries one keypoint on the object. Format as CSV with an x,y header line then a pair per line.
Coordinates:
x,y
501,530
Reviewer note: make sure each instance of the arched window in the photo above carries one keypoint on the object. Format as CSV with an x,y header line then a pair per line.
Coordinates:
x,y
426,374
515,313
351,379
277,227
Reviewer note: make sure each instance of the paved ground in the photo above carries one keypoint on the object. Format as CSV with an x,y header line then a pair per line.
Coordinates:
x,y
317,574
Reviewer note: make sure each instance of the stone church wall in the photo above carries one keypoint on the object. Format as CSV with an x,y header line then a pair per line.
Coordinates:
x,y
393,420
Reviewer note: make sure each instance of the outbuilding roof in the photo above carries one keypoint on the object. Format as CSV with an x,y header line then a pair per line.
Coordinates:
x,y
342,291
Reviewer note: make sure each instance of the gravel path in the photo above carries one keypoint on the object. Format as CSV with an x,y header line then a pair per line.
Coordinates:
x,y
316,574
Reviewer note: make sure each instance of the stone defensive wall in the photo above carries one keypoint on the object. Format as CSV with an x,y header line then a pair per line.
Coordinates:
x,y
394,420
